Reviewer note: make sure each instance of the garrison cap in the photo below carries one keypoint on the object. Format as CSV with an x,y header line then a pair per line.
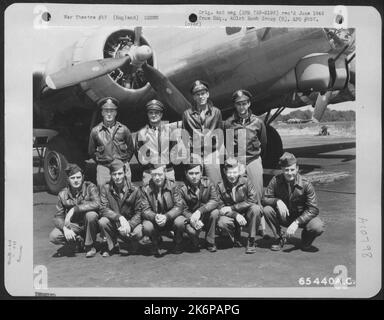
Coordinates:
x,y
241,95
287,159
230,163
155,105
108,103
199,85
155,166
115,165
194,161
72,168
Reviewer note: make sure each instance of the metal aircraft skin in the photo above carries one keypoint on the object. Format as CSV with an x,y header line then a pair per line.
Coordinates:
x,y
281,67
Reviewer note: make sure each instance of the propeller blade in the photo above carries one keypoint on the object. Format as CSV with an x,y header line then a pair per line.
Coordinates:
x,y
166,91
84,71
138,31
321,104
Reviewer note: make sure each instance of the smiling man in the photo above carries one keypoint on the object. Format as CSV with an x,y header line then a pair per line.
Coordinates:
x,y
76,213
203,122
110,140
153,144
290,201
199,199
238,207
120,209
161,210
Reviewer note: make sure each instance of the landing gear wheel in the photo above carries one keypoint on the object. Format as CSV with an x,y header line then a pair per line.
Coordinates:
x,y
54,174
274,149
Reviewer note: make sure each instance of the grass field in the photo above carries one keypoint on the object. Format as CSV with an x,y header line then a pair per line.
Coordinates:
x,y
339,128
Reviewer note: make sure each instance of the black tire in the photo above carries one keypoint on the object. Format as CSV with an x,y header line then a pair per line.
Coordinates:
x,y
54,174
274,149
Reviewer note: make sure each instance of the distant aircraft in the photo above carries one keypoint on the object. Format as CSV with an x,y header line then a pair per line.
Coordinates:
x,y
281,67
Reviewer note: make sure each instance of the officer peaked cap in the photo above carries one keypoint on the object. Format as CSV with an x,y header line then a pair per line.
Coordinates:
x,y
108,103
155,105
199,85
241,95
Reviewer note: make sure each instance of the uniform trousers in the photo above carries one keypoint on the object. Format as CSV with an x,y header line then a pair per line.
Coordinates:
x,y
89,226
311,229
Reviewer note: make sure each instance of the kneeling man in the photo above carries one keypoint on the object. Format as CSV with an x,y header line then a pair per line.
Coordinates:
x,y
237,205
161,209
290,201
199,198
120,209
76,214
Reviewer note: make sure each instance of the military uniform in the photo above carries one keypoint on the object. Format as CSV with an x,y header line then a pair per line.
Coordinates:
x,y
300,199
166,202
109,143
202,198
255,142
241,197
86,204
153,145
115,204
202,125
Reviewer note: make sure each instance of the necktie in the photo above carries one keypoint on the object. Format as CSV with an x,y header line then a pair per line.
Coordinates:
x,y
160,204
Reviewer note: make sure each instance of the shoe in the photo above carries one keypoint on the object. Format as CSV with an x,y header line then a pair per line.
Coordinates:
x,y
309,248
280,245
177,249
155,251
91,253
195,244
250,246
237,243
145,240
211,248
107,253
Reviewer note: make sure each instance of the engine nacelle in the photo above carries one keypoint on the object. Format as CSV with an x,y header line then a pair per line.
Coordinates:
x,y
315,73
127,84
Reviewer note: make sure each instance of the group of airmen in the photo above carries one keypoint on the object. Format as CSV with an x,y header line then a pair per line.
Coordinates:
x,y
220,198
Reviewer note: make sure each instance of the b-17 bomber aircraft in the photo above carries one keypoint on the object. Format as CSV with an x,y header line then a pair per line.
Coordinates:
x,y
281,67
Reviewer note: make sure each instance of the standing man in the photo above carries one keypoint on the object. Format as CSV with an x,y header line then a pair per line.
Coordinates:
x,y
238,205
110,140
290,201
204,120
120,209
153,145
199,198
162,209
255,138
76,213
244,121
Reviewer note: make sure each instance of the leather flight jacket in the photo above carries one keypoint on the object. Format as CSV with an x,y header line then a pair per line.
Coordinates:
x,y
129,205
240,197
170,203
299,199
255,135
86,200
203,198
105,146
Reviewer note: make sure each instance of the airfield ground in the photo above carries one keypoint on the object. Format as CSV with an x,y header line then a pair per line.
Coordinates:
x,y
328,161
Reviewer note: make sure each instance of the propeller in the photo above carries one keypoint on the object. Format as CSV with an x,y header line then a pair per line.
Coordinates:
x,y
165,90
95,68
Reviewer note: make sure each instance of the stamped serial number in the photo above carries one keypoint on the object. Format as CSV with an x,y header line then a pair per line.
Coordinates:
x,y
326,281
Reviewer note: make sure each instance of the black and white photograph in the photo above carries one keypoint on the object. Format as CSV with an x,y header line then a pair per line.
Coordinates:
x,y
177,160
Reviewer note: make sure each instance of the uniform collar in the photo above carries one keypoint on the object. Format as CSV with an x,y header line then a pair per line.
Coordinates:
x,y
127,187
239,119
297,183
104,127
195,109
228,186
